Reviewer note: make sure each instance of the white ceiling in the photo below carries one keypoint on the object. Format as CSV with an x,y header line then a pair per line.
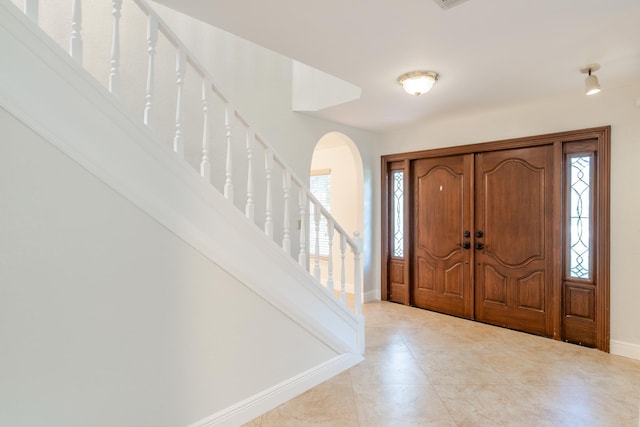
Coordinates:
x,y
487,52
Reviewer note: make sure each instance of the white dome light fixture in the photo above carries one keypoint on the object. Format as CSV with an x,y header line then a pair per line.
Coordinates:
x,y
591,84
418,82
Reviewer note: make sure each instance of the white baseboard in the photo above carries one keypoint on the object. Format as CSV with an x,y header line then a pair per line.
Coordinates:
x,y
371,296
266,400
625,349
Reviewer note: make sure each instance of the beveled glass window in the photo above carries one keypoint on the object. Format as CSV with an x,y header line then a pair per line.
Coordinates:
x,y
397,212
580,216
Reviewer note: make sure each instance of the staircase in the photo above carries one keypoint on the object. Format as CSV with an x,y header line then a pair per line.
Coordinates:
x,y
204,179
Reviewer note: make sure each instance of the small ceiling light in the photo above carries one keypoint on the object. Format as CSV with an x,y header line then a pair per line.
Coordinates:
x,y
591,82
418,82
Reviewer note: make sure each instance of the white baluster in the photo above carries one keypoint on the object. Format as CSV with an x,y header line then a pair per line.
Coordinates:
x,y
152,38
228,184
268,165
286,185
249,209
343,272
114,72
76,31
316,218
181,69
302,204
357,276
330,230
205,165
31,9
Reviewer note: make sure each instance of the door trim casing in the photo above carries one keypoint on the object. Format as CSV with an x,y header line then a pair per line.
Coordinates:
x,y
602,136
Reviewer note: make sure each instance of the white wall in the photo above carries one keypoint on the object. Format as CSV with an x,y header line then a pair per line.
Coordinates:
x,y
117,301
613,106
264,98
107,318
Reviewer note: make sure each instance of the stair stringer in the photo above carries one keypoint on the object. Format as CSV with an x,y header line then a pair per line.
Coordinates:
x,y
53,95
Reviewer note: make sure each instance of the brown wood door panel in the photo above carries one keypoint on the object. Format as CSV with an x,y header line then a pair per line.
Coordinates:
x,y
397,285
442,277
579,313
514,207
524,281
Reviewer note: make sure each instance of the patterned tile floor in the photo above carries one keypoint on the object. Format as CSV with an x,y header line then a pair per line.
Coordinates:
x,y
429,369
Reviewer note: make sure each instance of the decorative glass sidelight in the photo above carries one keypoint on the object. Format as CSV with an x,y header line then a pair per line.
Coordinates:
x,y
397,201
580,216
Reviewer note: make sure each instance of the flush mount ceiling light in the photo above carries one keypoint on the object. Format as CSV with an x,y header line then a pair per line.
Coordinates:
x,y
418,82
591,84
446,4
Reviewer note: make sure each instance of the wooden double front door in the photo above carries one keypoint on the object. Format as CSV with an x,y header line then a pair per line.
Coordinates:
x,y
512,233
483,236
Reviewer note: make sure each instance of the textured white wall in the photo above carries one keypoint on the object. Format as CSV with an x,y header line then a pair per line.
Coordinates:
x,y
256,80
613,106
259,82
107,318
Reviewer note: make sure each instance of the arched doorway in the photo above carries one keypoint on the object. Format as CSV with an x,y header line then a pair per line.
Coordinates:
x,y
337,156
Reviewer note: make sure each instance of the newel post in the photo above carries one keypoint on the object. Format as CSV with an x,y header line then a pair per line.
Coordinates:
x,y
357,277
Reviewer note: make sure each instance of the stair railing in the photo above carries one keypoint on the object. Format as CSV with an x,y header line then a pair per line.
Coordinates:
x,y
282,189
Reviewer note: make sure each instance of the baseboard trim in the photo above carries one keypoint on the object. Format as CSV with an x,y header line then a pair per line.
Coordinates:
x,y
266,400
625,349
371,296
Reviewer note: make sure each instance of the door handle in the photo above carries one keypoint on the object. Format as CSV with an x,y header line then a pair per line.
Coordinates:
x,y
479,246
466,234
466,245
479,234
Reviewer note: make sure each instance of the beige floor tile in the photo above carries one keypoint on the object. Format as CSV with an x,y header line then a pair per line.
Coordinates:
x,y
392,370
254,423
429,369
400,405
588,406
328,404
491,405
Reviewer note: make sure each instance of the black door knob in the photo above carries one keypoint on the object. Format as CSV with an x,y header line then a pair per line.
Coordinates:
x,y
466,234
479,233
479,245
466,245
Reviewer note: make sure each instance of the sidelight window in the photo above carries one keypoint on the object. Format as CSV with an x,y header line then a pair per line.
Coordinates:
x,y
580,190
397,209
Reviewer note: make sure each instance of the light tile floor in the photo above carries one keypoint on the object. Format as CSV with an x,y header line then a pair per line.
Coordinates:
x,y
428,369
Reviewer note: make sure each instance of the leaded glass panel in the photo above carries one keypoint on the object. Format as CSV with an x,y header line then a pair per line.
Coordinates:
x,y
398,213
579,217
